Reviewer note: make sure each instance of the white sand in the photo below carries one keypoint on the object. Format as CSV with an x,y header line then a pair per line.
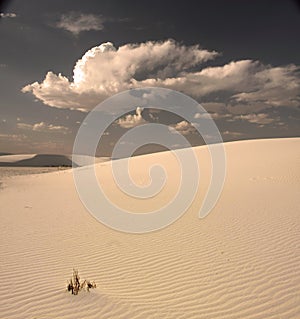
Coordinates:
x,y
42,160
15,158
241,261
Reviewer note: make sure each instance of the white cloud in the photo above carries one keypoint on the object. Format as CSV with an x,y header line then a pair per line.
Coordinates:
x,y
249,82
278,86
214,116
153,115
8,15
132,120
105,70
13,137
76,22
202,116
260,118
183,127
234,77
57,91
232,133
43,127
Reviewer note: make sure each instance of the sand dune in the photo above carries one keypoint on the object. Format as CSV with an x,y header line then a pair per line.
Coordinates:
x,y
12,158
42,160
241,261
35,160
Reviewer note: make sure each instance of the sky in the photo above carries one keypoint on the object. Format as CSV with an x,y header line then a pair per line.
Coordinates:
x,y
58,59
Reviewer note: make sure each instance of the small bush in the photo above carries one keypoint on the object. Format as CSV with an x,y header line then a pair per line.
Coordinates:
x,y
74,285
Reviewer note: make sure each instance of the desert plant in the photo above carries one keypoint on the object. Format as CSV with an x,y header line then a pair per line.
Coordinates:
x,y
74,285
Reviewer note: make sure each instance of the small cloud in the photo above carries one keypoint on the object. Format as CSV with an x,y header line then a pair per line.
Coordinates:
x,y
153,115
214,116
183,127
43,127
13,137
76,22
260,118
130,121
233,134
202,116
8,15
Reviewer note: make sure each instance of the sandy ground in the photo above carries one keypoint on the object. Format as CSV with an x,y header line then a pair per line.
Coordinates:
x,y
241,261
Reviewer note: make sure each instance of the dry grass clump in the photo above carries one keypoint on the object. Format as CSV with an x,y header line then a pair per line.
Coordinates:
x,y
74,285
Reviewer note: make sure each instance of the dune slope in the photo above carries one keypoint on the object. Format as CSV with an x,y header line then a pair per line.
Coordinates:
x,y
241,261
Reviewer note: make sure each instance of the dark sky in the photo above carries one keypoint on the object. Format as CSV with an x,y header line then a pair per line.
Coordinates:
x,y
33,43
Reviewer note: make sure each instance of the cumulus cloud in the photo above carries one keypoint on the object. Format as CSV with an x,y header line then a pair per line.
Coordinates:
x,y
42,127
233,76
105,70
8,15
57,91
248,86
246,81
76,22
278,86
130,121
183,127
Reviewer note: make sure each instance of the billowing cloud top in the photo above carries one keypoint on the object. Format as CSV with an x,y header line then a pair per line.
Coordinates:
x,y
105,70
